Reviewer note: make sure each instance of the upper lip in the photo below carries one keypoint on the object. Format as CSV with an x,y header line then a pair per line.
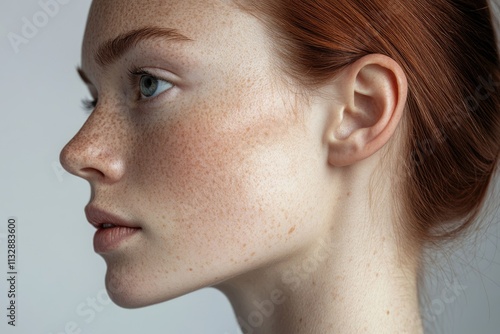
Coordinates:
x,y
98,217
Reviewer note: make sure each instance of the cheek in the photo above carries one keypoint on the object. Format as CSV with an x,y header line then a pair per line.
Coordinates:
x,y
224,181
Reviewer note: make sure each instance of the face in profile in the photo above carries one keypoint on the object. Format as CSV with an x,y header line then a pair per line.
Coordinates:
x,y
197,144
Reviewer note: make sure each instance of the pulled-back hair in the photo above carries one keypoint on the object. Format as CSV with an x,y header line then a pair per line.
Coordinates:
x,y
451,126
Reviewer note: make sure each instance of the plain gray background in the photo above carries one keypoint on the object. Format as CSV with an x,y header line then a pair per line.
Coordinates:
x,y
61,279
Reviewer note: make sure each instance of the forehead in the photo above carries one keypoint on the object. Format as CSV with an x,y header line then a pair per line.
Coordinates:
x,y
206,22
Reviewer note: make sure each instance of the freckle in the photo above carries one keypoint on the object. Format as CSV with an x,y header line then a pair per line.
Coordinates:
x,y
190,269
253,253
388,312
178,258
374,252
244,245
376,274
349,193
300,320
291,230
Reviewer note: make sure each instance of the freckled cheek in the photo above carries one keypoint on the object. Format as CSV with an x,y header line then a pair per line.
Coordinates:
x,y
191,159
196,185
189,171
207,180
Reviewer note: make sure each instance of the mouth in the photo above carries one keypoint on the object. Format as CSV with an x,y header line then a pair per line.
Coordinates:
x,y
112,231
106,225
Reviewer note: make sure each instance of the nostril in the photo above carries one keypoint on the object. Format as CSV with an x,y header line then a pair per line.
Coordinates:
x,y
92,156
91,162
72,160
89,172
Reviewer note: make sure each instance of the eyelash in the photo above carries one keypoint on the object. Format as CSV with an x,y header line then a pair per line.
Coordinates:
x,y
134,76
88,105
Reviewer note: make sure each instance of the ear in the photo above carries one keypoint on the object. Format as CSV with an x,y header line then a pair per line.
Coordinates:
x,y
370,96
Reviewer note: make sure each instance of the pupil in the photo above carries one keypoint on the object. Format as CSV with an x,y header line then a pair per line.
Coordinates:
x,y
148,86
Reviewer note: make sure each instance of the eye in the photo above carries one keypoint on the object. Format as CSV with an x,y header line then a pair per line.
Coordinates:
x,y
151,86
88,105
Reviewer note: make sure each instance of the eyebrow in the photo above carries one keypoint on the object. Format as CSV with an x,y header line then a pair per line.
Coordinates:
x,y
115,48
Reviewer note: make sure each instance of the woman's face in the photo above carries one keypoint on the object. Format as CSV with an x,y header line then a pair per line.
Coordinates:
x,y
202,149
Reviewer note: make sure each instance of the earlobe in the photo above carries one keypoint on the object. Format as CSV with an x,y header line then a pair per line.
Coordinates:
x,y
372,99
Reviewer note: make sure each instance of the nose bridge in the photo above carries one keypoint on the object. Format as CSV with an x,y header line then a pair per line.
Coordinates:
x,y
96,151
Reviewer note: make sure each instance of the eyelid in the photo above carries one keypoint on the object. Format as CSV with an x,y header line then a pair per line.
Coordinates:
x,y
135,75
89,104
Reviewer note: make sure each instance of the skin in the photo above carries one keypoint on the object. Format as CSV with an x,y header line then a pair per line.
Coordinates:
x,y
237,183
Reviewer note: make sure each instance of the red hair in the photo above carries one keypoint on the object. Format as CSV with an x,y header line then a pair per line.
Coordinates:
x,y
451,127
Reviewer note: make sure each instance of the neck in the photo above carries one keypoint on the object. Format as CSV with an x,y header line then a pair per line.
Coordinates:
x,y
348,282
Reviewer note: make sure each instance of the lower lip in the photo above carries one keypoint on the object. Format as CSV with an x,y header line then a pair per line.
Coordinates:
x,y
107,239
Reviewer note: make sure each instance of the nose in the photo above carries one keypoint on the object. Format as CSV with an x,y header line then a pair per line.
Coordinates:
x,y
95,152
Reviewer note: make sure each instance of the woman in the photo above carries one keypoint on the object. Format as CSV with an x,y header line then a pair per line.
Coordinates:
x,y
296,155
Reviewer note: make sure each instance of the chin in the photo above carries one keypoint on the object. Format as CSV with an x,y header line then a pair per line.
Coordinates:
x,y
126,289
124,294
125,301
134,298
131,291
